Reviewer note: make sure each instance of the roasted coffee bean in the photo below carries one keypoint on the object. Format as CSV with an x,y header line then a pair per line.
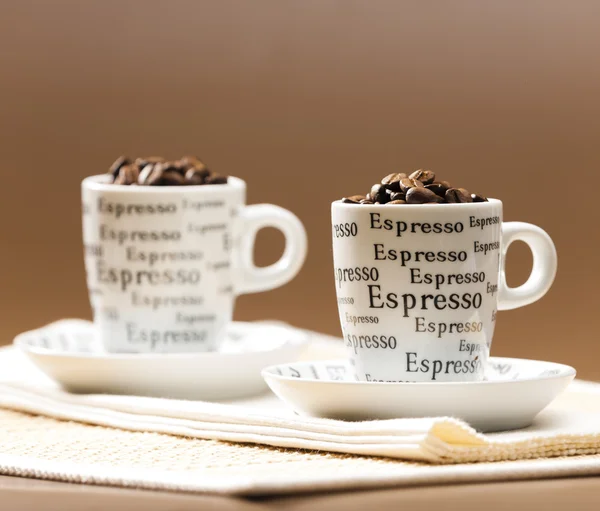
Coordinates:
x,y
383,198
116,166
215,179
196,176
418,188
378,194
145,174
408,183
421,196
172,177
439,188
458,195
177,166
192,161
354,199
155,177
128,175
393,178
425,176
140,163
155,171
392,181
375,190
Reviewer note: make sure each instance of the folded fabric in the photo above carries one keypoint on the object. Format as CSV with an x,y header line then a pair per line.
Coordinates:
x,y
569,427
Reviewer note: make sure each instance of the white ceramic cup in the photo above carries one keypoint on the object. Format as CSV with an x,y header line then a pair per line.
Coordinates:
x,y
418,286
164,264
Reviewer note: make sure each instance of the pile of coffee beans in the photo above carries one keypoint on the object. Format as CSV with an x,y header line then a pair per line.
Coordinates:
x,y
156,171
420,187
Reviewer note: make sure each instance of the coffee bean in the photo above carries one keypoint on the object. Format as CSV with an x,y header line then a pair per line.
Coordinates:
x,y
155,171
439,188
215,179
421,196
392,181
140,163
375,189
458,195
128,175
192,162
407,183
145,174
176,166
420,187
354,199
172,177
196,176
425,176
155,177
116,166
378,194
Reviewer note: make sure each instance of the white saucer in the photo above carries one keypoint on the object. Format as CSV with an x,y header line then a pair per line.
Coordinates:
x,y
67,352
515,391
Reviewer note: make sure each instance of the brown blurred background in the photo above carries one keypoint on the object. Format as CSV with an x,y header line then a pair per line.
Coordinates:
x,y
307,100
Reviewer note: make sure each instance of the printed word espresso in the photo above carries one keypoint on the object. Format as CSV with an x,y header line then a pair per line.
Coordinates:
x,y
401,227
418,256
441,328
436,367
124,278
153,257
356,274
158,338
409,301
371,342
119,209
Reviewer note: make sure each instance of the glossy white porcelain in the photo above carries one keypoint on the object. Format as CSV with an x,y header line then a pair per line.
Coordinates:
x,y
70,353
513,393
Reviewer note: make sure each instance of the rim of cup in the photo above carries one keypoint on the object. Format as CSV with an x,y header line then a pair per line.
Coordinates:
x,y
565,371
101,183
429,205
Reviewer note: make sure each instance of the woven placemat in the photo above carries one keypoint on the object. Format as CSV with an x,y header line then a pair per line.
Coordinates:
x,y
41,447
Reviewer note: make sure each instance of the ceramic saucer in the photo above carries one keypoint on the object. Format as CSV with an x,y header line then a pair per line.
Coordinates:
x,y
67,352
514,392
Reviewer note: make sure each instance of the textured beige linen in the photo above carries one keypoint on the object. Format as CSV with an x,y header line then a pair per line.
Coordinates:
x,y
175,444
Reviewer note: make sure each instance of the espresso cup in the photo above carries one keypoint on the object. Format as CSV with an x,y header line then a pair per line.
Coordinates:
x,y
164,264
419,286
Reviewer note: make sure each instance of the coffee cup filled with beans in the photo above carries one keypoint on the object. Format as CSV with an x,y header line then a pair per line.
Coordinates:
x,y
420,187
419,285
166,253
156,171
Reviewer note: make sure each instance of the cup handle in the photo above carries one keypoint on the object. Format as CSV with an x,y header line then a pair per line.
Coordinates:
x,y
544,265
253,218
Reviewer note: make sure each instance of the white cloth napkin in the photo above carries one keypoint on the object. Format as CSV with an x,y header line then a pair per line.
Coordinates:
x,y
571,426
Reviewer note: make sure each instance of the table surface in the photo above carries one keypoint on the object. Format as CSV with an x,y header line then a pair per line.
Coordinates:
x,y
582,494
